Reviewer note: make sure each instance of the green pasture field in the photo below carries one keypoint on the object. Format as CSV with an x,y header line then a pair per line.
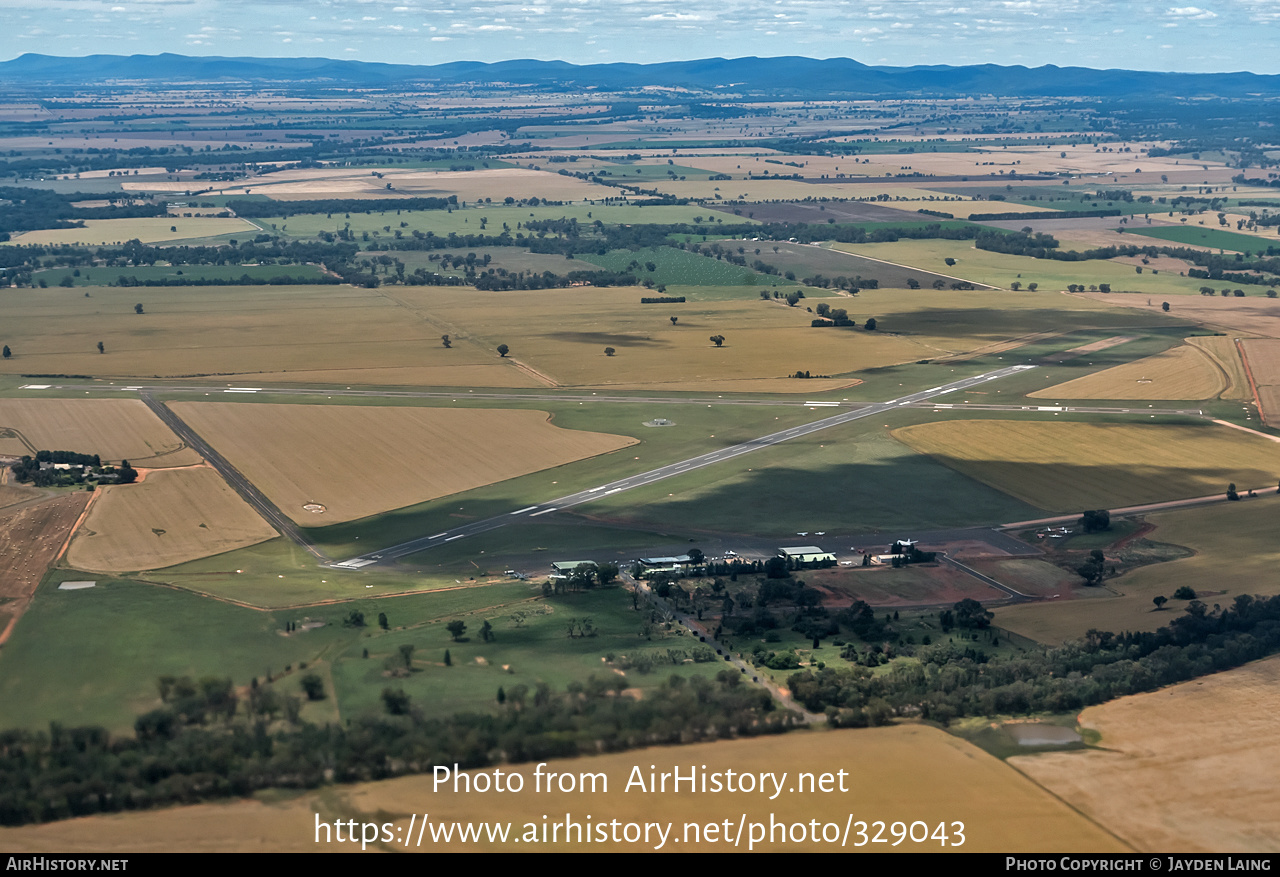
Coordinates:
x,y
467,220
511,258
1203,236
91,657
1236,553
538,650
623,171
1000,269
680,268
100,276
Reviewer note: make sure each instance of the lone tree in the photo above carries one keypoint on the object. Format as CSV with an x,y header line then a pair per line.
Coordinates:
x,y
406,655
7,352
448,659
456,629
397,702
1159,601
870,325
486,631
1165,307
444,339
101,349
717,340
609,351
673,320
1093,569
313,685
382,620
137,309
1231,492
503,350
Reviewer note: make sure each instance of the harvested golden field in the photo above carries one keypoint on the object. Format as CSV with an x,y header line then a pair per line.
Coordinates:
x,y
495,183
1237,550
563,333
1066,466
1252,315
148,229
1186,769
909,773
1263,356
31,538
332,334
12,494
1178,373
170,517
1226,355
115,429
359,461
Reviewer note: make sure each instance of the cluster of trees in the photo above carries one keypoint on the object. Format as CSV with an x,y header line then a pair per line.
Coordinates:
x,y
268,209
87,468
27,209
950,681
202,745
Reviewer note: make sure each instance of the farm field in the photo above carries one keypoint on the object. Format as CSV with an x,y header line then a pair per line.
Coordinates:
x,y
1263,356
468,220
30,540
889,770
1251,315
329,334
115,429
148,229
359,461
1226,355
1179,373
1000,269
1030,575
562,333
1066,466
12,494
912,586
495,183
1202,236
1235,548
177,274
170,517
823,259
1186,769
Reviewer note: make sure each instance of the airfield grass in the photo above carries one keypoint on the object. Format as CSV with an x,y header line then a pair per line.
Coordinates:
x,y
359,461
1251,315
171,517
115,429
1177,770
854,477
1001,269
1235,553
149,230
1179,373
1064,466
900,773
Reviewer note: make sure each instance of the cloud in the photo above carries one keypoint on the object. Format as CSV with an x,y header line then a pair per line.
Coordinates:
x,y
1191,12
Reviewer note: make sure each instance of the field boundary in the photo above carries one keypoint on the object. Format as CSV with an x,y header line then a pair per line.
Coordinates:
x,y
1253,386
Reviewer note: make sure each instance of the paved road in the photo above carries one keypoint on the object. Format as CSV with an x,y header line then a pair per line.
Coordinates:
x,y
1261,493
265,507
669,471
440,394
1074,409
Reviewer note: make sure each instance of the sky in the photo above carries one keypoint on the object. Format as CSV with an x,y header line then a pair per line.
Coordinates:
x,y
1218,36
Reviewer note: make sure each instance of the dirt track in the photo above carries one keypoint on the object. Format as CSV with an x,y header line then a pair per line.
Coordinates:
x,y
31,538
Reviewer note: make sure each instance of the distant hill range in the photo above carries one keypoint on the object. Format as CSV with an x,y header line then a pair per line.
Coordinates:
x,y
752,77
